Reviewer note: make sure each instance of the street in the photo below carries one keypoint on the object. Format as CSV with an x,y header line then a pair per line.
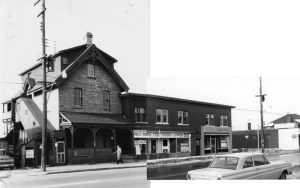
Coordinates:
x,y
116,178
178,172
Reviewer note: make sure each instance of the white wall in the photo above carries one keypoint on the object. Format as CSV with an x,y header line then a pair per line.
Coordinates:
x,y
284,125
52,107
288,138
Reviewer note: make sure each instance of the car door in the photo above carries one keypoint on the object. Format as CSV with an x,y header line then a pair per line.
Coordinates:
x,y
248,170
262,167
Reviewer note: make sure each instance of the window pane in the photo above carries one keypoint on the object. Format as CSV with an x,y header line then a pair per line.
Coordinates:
x,y
248,163
259,160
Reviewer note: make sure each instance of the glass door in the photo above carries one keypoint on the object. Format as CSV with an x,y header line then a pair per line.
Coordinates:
x,y
213,145
60,152
153,146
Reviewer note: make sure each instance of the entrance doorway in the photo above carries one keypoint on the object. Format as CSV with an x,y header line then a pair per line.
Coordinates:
x,y
153,146
213,145
60,152
197,146
166,146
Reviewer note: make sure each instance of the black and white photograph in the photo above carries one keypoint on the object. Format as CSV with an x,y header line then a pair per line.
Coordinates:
x,y
148,93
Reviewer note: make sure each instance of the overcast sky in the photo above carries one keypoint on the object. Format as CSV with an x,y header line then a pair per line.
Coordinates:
x,y
211,51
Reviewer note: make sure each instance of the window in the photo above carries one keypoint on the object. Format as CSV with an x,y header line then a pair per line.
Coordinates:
x,y
248,163
64,60
140,115
78,97
91,70
183,117
209,119
106,99
8,107
50,65
162,116
223,120
224,163
260,160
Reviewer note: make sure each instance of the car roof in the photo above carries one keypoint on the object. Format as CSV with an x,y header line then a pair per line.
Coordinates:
x,y
240,155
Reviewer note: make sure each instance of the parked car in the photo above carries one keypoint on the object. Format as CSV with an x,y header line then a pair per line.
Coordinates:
x,y
5,160
241,166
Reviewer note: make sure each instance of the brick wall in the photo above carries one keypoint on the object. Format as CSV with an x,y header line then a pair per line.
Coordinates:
x,y
92,90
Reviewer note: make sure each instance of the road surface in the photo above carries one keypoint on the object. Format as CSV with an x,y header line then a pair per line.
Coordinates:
x,y
116,178
179,172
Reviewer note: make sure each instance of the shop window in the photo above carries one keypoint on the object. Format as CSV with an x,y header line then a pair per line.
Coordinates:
x,y
223,120
165,142
106,99
183,145
77,97
209,119
91,70
140,115
162,116
183,118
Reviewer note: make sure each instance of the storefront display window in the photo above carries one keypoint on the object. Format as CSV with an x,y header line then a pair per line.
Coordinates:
x,y
140,146
183,145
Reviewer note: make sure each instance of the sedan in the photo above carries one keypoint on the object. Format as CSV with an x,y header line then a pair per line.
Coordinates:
x,y
241,166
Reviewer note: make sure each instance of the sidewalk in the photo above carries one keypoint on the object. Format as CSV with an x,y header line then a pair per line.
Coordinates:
x,y
69,169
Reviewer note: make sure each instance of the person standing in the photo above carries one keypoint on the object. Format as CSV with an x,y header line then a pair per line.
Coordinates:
x,y
119,155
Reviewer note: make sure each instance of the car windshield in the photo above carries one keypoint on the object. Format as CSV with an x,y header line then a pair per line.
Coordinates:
x,y
224,162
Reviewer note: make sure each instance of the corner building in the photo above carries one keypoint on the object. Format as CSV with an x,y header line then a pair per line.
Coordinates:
x,y
90,112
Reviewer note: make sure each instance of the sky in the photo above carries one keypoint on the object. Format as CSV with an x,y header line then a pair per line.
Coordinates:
x,y
212,51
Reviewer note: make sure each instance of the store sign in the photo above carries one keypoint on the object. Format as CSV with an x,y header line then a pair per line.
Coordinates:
x,y
137,142
159,134
214,129
29,154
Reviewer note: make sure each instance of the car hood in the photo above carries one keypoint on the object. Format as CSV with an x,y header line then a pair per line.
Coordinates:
x,y
209,173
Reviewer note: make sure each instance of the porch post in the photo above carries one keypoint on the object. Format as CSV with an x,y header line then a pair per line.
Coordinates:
x,y
72,140
94,130
115,139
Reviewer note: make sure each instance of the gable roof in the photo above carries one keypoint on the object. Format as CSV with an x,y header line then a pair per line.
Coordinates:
x,y
83,46
101,56
288,118
90,52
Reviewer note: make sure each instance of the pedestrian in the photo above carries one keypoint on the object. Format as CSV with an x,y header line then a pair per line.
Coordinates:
x,y
119,154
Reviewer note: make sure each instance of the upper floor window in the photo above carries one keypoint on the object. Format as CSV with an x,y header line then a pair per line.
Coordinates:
x,y
91,70
106,99
140,115
183,117
64,60
223,120
209,119
50,65
78,97
162,116
6,107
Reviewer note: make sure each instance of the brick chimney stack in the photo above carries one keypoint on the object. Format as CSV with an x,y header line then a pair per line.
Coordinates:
x,y
89,39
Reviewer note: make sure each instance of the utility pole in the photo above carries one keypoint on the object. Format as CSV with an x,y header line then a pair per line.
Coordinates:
x,y
262,99
44,59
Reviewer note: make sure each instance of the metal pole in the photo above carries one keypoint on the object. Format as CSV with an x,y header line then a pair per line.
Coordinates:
x,y
261,116
258,138
44,127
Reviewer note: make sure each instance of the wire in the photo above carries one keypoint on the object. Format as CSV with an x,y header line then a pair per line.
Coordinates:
x,y
10,83
250,110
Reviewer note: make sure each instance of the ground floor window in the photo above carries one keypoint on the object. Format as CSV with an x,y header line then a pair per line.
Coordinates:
x,y
183,145
140,146
216,144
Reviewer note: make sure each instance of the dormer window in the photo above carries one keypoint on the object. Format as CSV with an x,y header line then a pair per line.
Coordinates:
x,y
91,70
50,66
64,60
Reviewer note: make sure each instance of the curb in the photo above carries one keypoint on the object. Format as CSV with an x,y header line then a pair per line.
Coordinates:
x,y
93,169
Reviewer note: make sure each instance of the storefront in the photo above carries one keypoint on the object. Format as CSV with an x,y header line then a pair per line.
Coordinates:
x,y
167,143
215,140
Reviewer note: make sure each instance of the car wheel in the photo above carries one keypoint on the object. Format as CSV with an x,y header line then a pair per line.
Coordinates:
x,y
282,176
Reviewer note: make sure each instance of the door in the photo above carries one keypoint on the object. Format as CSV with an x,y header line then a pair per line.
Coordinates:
x,y
213,145
197,146
60,152
153,146
166,146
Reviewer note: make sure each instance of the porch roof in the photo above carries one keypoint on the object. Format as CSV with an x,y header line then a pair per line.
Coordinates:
x,y
93,118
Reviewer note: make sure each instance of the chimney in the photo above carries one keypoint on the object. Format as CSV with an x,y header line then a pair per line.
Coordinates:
x,y
249,126
89,39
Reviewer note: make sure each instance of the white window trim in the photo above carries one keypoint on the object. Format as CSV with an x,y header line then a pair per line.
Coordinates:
x,y
209,116
162,114
182,113
143,122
